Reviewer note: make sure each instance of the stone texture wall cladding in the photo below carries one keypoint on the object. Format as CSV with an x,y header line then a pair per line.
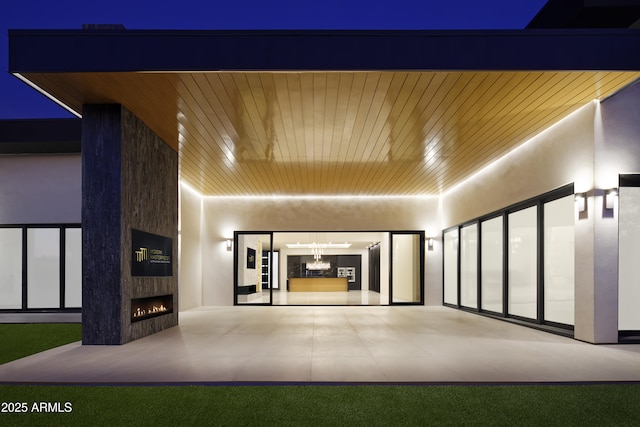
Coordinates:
x,y
101,219
130,180
150,204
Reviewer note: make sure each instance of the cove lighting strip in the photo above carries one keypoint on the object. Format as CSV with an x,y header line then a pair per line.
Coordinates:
x,y
48,95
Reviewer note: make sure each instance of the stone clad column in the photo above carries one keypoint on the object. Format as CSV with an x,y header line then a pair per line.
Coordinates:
x,y
130,181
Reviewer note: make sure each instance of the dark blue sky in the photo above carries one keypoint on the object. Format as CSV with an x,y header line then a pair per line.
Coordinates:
x,y
17,100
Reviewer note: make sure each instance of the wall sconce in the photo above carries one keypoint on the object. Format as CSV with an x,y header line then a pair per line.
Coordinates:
x,y
610,198
229,244
430,243
581,202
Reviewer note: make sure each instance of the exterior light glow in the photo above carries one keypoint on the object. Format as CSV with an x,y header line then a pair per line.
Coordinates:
x,y
48,95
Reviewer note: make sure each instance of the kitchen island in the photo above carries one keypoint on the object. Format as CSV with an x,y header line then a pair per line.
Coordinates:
x,y
318,284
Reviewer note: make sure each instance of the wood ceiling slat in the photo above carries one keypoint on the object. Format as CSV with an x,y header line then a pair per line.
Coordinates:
x,y
436,89
368,133
381,129
220,156
370,107
517,127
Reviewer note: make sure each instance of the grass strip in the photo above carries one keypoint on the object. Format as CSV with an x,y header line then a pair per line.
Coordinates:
x,y
565,405
23,339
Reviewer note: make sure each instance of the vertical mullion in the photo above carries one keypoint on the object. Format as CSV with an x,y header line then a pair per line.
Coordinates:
x,y
236,235
24,268
505,264
62,261
540,262
422,266
271,249
479,267
459,267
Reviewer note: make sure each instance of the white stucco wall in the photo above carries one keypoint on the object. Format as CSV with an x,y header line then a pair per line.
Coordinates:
x,y
617,151
190,220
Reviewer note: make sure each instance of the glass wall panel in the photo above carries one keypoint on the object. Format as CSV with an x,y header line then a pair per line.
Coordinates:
x,y
523,263
10,268
73,268
559,249
492,268
405,267
469,266
451,267
254,268
43,268
629,254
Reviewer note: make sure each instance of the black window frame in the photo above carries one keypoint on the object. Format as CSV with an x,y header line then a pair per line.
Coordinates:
x,y
62,227
539,322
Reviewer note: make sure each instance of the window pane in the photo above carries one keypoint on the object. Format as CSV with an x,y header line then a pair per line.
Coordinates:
x,y
10,268
254,276
491,271
451,267
405,258
43,268
629,247
73,268
469,266
522,263
559,248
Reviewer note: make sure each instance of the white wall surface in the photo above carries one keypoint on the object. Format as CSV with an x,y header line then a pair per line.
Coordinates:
x,y
190,220
617,152
40,189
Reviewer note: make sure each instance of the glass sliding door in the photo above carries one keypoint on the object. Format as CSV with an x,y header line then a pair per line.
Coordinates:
x,y
629,253
559,266
73,268
451,267
253,272
523,276
407,268
10,268
469,266
491,268
43,268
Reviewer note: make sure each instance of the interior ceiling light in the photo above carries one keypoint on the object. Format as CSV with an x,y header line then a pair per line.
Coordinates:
x,y
318,245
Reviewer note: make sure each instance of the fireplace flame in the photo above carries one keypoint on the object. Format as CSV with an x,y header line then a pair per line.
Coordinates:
x,y
139,312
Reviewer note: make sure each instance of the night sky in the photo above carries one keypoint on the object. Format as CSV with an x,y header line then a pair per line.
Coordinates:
x,y
17,100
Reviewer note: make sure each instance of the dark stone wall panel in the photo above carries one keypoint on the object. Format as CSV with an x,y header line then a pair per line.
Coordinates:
x,y
150,204
129,181
101,223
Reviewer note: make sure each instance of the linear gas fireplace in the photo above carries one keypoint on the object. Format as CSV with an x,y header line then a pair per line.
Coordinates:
x,y
146,308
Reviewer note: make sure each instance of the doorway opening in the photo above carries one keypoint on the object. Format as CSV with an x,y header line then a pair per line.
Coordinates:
x,y
360,268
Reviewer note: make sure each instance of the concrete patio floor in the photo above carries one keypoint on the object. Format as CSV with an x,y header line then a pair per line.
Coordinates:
x,y
334,344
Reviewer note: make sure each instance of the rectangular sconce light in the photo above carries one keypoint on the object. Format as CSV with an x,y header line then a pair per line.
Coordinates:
x,y
430,243
229,244
610,198
581,202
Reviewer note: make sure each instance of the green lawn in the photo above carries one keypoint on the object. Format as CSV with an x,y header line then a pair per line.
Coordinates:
x,y
592,405
543,405
20,340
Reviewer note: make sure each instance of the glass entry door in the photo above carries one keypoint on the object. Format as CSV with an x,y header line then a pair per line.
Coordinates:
x,y
253,261
407,267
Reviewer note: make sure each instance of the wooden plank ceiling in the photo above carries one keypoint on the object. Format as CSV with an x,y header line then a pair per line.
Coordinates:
x,y
338,133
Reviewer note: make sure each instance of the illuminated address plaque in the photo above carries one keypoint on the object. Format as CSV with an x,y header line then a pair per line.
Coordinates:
x,y
151,254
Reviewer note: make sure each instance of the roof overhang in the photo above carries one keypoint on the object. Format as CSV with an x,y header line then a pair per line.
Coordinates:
x,y
332,112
